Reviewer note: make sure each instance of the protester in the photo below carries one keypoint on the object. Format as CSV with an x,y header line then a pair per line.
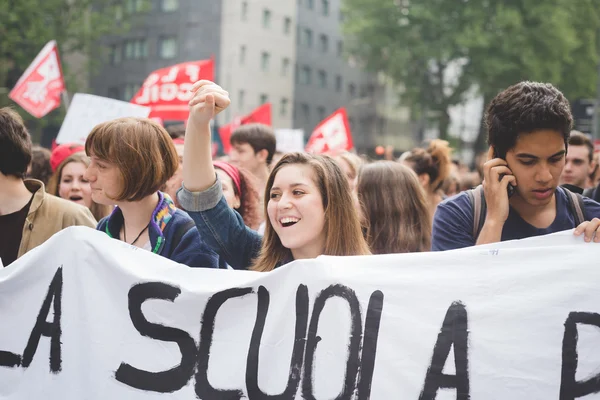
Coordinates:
x,y
40,167
62,151
528,128
131,158
350,164
68,183
240,193
397,221
252,148
28,216
309,206
579,162
432,166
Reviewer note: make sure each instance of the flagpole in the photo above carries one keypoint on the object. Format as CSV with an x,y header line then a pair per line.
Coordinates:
x,y
65,98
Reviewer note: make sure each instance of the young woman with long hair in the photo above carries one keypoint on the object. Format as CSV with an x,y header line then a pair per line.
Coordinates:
x,y
397,221
131,158
308,204
68,183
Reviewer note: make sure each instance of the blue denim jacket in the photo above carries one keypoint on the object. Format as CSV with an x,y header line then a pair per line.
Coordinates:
x,y
221,227
166,220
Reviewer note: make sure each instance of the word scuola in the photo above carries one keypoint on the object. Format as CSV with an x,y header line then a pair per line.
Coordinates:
x,y
361,351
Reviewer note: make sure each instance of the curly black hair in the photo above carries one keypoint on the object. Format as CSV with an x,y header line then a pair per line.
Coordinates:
x,y
524,108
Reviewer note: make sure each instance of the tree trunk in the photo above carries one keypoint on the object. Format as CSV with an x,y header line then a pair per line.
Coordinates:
x,y
444,124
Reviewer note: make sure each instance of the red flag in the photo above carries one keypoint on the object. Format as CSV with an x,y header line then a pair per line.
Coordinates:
x,y
39,88
331,135
261,115
166,91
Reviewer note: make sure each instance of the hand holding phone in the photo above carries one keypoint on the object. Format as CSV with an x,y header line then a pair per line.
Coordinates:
x,y
498,187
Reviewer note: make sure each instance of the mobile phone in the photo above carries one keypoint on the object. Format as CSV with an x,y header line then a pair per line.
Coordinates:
x,y
510,188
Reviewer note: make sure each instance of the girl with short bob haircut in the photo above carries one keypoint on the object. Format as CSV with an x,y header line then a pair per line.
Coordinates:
x,y
308,203
67,182
131,158
397,221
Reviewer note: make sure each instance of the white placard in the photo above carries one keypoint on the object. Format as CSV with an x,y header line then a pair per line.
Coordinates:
x,y
88,317
290,140
87,110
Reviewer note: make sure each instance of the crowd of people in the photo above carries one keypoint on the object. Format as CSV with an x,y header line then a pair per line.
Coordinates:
x,y
259,209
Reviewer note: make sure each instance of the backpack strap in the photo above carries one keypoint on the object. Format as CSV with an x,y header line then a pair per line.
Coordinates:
x,y
478,204
589,192
178,235
576,206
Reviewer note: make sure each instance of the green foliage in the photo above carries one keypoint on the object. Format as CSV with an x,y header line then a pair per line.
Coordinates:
x,y
420,43
27,25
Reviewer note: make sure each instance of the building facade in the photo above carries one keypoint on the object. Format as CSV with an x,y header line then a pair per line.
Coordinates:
x,y
290,53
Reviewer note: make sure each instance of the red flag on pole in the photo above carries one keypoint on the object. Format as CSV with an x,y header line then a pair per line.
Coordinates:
x,y
166,91
261,115
39,88
331,135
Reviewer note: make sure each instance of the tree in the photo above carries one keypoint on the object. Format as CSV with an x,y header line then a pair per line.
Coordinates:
x,y
27,25
439,49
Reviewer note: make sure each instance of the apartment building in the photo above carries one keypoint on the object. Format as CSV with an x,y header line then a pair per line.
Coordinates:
x,y
290,53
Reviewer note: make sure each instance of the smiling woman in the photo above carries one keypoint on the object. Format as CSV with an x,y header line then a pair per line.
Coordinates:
x,y
308,201
68,183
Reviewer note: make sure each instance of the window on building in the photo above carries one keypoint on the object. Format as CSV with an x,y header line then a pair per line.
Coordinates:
x,y
241,99
287,25
136,49
167,48
305,112
298,36
242,54
130,90
324,43
169,5
296,73
338,83
325,7
306,75
310,4
283,107
322,79
116,54
136,6
285,66
113,93
340,48
321,113
265,57
266,21
264,98
244,12
352,90
308,37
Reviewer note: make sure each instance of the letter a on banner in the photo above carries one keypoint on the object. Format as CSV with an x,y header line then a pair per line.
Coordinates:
x,y
39,88
331,135
167,91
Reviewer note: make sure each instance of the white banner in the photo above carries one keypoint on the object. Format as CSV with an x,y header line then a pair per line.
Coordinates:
x,y
88,317
87,110
289,140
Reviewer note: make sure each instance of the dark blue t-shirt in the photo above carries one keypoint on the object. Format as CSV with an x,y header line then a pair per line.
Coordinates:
x,y
453,222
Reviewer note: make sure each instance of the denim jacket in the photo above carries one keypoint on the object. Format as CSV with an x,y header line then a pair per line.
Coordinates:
x,y
163,229
221,227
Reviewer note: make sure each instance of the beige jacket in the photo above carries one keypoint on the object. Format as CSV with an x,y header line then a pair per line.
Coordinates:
x,y
50,214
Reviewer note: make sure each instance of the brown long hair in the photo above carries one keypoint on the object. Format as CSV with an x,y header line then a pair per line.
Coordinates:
x,y
434,161
249,199
397,221
99,211
342,226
